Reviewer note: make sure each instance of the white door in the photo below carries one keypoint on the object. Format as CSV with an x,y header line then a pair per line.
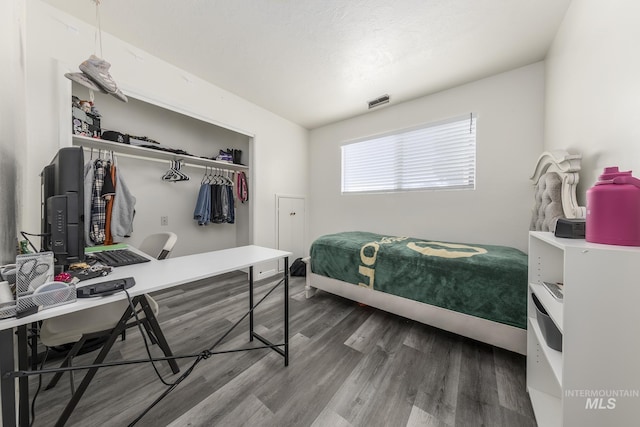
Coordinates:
x,y
291,217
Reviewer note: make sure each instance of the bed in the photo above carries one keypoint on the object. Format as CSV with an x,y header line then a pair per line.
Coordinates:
x,y
475,290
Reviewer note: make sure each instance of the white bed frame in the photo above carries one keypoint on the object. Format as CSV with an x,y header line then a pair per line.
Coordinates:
x,y
500,335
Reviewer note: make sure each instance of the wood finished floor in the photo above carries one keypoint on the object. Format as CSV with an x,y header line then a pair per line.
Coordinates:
x,y
349,366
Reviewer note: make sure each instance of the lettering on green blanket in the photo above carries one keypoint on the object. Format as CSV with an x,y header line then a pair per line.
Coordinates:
x,y
368,255
369,261
442,250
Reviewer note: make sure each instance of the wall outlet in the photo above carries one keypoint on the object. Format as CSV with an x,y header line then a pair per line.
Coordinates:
x,y
164,220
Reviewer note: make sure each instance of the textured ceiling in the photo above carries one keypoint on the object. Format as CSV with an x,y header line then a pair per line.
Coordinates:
x,y
319,61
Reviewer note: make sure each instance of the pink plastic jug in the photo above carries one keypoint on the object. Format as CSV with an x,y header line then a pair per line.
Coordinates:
x,y
613,209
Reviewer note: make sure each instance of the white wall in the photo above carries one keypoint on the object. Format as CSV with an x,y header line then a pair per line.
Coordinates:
x,y
12,121
279,148
509,107
593,87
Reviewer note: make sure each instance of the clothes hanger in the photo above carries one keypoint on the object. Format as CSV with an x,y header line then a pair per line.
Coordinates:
x,y
183,176
219,178
204,177
214,176
170,174
227,180
174,174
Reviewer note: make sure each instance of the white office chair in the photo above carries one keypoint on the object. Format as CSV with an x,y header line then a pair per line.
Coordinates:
x,y
78,327
159,245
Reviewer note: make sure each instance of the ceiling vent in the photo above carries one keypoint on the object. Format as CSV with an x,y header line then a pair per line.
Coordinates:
x,y
384,99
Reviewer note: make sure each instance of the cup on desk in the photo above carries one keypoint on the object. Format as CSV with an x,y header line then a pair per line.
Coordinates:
x,y
5,293
8,273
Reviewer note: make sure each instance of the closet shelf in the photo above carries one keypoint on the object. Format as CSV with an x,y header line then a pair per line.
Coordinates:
x,y
149,153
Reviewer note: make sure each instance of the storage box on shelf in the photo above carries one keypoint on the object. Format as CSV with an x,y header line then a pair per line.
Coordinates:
x,y
550,332
599,356
85,123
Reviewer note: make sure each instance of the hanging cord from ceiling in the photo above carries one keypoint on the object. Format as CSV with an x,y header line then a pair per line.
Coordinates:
x,y
97,42
95,70
98,35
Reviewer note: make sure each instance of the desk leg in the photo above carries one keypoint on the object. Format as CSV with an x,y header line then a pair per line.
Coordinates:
x,y
23,365
251,303
8,385
33,346
286,311
284,352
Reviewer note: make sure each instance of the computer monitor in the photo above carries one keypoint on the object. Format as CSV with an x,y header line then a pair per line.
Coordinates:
x,y
63,206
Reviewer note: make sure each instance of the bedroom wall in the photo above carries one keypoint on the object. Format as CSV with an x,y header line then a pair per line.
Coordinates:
x,y
510,114
55,38
11,123
593,87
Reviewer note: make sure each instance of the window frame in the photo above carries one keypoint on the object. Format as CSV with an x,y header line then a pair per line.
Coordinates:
x,y
400,184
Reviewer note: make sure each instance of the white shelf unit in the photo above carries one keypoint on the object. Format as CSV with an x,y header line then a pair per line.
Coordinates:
x,y
599,318
151,154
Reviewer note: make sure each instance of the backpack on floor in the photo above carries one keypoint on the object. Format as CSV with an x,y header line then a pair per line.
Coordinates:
x,y
298,268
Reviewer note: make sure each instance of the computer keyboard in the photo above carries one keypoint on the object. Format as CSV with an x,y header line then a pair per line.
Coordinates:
x,y
107,287
118,257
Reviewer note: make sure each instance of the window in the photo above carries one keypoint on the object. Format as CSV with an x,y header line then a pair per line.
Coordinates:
x,y
436,156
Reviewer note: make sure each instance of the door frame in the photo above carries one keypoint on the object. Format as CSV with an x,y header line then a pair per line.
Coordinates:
x,y
279,196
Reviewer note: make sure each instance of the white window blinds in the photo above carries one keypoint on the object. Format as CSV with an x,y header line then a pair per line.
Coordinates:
x,y
436,156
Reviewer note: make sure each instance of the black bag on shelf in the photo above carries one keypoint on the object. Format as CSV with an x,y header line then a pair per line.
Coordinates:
x,y
112,135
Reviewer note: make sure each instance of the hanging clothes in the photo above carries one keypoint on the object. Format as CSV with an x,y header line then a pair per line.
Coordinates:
x,y
108,193
202,212
110,209
231,218
224,201
88,199
242,187
124,209
98,205
215,202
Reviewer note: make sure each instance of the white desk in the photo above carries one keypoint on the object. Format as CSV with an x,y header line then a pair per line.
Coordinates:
x,y
150,277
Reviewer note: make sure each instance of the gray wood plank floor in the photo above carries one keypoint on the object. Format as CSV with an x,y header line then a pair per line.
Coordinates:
x,y
350,365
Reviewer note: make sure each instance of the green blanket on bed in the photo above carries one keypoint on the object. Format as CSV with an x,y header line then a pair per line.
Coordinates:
x,y
481,280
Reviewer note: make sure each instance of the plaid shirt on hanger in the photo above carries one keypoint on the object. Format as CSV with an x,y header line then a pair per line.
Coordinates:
x,y
98,205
